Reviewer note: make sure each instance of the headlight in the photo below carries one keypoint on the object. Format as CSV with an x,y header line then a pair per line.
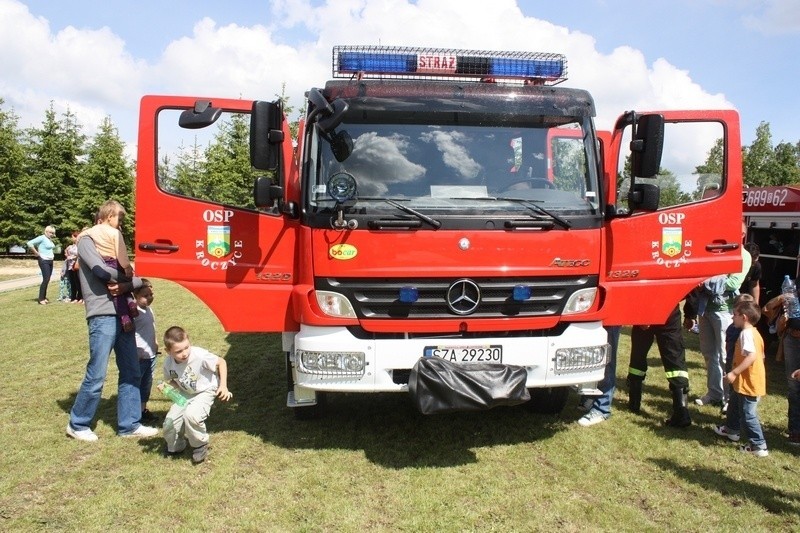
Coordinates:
x,y
335,304
580,301
331,363
580,359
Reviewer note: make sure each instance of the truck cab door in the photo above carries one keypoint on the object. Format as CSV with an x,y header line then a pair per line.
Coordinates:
x,y
196,223
654,258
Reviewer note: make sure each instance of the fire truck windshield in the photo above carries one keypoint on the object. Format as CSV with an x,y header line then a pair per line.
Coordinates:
x,y
457,170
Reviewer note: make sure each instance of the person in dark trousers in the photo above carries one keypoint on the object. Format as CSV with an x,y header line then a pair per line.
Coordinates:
x,y
669,339
43,248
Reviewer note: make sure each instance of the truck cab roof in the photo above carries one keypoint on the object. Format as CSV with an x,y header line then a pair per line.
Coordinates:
x,y
415,96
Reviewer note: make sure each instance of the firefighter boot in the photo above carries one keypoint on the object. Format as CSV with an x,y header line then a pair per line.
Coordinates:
x,y
634,393
680,412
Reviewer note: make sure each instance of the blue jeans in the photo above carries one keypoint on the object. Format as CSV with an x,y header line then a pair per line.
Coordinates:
x,y
105,333
147,367
731,336
791,358
46,266
713,326
742,411
608,384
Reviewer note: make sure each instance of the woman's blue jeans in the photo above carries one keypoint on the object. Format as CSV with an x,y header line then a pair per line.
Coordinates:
x,y
105,334
46,266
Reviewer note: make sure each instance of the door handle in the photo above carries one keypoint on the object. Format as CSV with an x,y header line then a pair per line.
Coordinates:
x,y
158,247
722,247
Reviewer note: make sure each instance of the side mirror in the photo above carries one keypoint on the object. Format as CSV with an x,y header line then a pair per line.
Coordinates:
x,y
201,116
341,145
266,193
644,197
329,122
647,145
266,135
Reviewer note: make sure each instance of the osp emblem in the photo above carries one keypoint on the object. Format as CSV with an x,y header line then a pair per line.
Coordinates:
x,y
219,240
671,240
463,296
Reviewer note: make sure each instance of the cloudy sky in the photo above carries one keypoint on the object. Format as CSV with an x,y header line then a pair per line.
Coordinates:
x,y
98,57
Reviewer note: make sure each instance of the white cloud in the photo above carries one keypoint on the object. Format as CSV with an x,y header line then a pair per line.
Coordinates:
x,y
776,18
92,72
86,71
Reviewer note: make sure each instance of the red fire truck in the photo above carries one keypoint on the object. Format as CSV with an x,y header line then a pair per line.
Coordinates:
x,y
446,204
772,215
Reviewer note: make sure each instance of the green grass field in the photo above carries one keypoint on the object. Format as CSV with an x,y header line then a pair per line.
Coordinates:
x,y
373,463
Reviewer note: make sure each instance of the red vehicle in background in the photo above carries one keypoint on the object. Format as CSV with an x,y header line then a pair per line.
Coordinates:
x,y
438,204
772,215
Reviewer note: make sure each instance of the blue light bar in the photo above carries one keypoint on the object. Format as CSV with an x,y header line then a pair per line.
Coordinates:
x,y
409,295
422,63
521,293
384,63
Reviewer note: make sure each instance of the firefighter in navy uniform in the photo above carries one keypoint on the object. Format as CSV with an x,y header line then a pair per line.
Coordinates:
x,y
669,338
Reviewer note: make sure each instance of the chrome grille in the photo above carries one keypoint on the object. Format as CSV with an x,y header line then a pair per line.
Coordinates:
x,y
379,297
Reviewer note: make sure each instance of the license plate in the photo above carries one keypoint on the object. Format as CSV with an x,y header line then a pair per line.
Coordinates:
x,y
466,354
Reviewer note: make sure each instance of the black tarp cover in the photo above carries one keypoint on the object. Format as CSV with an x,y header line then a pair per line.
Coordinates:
x,y
440,386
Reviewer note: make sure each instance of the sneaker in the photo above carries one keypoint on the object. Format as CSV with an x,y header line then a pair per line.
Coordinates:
x,y
86,435
724,409
142,432
586,403
758,452
722,431
148,416
199,454
794,439
707,400
591,418
695,329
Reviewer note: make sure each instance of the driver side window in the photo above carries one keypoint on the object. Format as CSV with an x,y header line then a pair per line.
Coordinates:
x,y
691,166
210,164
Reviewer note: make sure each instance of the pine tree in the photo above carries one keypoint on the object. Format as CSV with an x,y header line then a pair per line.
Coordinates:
x,y
784,169
758,158
12,169
228,177
107,175
184,178
47,190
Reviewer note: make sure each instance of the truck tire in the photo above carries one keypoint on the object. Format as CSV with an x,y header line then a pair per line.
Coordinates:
x,y
548,401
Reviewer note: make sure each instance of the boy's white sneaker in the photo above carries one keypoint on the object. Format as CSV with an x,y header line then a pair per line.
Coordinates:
x,y
86,435
591,418
758,452
143,432
722,431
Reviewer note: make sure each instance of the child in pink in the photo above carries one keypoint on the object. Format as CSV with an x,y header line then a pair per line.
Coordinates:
x,y
110,245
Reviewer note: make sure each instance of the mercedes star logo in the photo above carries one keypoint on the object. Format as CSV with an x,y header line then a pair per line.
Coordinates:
x,y
463,296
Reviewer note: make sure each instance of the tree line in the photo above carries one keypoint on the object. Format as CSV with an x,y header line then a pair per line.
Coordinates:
x,y
54,174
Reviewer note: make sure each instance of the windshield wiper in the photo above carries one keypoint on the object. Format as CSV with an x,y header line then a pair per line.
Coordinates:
x,y
423,217
404,208
564,223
